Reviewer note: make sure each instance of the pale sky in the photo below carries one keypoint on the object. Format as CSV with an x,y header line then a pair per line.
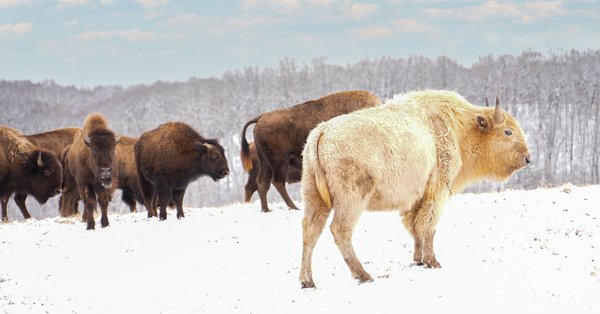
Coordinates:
x,y
100,42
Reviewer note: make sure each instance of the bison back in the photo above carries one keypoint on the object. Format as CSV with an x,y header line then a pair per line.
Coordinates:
x,y
382,156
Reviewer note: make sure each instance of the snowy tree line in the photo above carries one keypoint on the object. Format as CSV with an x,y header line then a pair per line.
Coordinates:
x,y
553,95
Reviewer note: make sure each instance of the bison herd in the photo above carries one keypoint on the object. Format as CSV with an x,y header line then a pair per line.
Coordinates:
x,y
351,151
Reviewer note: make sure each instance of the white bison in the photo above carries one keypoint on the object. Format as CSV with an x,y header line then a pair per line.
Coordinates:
x,y
410,154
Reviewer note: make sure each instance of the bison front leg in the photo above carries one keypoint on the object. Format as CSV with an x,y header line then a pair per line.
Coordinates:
x,y
128,198
4,201
103,200
279,178
425,221
90,207
20,201
342,227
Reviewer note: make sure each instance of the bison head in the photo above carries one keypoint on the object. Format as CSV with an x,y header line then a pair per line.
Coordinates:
x,y
503,144
213,159
102,143
43,173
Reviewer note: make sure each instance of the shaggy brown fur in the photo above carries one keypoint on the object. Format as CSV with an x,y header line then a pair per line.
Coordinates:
x,y
90,161
294,174
280,135
69,199
170,157
55,141
125,173
26,169
411,154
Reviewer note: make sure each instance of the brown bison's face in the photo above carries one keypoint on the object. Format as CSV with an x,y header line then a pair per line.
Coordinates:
x,y
505,148
44,174
101,144
214,162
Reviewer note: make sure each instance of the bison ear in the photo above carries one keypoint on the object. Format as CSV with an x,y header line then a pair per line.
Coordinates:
x,y
202,148
483,124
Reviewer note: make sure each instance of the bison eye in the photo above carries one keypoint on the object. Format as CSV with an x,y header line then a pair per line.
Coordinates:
x,y
47,172
508,132
213,156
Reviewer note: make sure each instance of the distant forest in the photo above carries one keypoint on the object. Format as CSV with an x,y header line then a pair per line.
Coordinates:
x,y
553,95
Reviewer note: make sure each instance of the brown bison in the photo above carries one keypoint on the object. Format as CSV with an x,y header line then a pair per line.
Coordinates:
x,y
124,172
280,135
294,174
26,169
55,141
127,173
169,158
90,161
411,154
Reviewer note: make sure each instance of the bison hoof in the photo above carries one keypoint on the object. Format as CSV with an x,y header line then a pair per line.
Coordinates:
x,y
365,278
179,216
161,218
91,226
432,264
308,284
4,220
265,210
104,223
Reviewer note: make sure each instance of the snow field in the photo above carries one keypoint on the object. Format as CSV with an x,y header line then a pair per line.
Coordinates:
x,y
527,251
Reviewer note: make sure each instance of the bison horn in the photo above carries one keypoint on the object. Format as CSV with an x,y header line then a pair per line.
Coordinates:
x,y
86,138
498,116
40,163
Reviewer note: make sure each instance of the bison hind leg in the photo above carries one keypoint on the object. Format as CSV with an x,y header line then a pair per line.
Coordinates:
x,y
178,198
315,217
342,227
165,196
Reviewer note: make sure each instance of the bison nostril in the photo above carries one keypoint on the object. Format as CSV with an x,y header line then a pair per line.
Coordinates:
x,y
528,159
225,172
57,191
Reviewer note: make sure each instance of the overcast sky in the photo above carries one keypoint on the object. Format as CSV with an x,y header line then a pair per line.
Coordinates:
x,y
92,42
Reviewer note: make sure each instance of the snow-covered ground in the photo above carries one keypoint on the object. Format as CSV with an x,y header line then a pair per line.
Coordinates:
x,y
516,251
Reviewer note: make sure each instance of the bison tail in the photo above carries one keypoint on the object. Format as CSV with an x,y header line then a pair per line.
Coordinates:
x,y
312,155
245,152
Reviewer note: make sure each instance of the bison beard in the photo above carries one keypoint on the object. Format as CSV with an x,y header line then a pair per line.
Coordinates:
x,y
421,148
